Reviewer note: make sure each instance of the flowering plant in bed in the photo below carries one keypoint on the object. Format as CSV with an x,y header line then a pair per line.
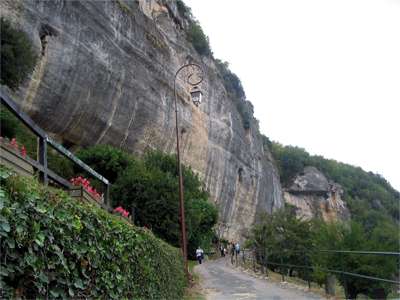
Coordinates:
x,y
85,183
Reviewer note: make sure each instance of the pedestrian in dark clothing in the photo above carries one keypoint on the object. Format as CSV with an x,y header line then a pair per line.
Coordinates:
x,y
199,255
232,252
221,249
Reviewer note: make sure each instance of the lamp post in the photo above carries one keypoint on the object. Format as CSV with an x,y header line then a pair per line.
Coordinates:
x,y
196,96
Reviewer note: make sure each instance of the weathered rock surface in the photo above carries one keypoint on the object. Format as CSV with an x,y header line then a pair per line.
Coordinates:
x,y
314,196
105,75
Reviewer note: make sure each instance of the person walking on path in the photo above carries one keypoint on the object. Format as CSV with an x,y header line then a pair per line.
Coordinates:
x,y
199,254
221,249
232,252
237,252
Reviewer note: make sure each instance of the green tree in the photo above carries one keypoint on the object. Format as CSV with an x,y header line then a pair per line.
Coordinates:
x,y
17,55
282,236
150,186
355,238
106,160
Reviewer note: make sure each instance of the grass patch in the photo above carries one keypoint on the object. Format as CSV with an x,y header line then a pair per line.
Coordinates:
x,y
193,292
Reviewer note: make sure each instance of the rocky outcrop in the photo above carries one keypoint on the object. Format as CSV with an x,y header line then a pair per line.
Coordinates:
x,y
105,75
314,196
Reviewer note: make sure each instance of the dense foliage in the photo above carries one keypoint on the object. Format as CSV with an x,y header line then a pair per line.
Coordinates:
x,y
283,238
56,247
366,193
17,55
110,162
149,186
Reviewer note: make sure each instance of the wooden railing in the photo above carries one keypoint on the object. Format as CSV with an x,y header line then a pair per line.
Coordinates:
x,y
41,164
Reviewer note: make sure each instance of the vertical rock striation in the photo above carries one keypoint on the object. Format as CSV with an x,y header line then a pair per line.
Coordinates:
x,y
105,76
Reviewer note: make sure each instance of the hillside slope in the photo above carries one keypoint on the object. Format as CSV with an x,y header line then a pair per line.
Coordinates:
x,y
368,196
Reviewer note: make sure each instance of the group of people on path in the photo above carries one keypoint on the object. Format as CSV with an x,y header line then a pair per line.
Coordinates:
x,y
233,247
234,250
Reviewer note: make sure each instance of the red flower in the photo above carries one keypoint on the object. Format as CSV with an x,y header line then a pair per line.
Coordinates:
x,y
77,181
23,151
121,211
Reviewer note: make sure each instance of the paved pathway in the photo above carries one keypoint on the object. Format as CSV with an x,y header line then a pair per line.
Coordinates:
x,y
221,281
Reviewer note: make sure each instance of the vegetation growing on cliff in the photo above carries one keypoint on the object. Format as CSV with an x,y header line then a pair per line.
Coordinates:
x,y
283,238
366,193
235,91
199,40
194,33
17,56
55,247
150,187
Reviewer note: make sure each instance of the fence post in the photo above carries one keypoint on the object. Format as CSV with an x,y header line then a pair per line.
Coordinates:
x,y
42,158
282,273
107,197
344,276
254,260
306,271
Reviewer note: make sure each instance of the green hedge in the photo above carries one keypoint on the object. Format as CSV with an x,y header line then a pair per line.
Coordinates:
x,y
55,247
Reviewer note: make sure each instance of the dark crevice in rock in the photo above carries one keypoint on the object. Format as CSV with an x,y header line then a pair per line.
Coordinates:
x,y
45,31
240,174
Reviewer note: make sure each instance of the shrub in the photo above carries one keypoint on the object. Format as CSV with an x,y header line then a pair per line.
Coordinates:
x,y
199,40
151,187
183,9
55,247
60,164
17,56
106,160
232,83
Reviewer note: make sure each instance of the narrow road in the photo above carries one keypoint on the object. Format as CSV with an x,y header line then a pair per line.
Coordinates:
x,y
221,281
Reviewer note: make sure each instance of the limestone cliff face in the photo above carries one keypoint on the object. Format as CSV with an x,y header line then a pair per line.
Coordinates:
x,y
314,196
105,76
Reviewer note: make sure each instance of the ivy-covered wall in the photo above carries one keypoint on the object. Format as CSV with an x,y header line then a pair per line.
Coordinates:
x,y
55,247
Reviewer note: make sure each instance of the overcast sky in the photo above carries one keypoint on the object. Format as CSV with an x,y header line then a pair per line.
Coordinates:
x,y
322,75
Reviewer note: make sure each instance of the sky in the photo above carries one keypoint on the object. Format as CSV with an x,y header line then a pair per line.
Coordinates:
x,y
322,75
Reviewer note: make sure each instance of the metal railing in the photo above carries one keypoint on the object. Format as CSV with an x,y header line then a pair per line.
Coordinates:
x,y
261,259
41,165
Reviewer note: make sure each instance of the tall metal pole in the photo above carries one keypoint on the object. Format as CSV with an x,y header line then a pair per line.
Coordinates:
x,y
181,199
